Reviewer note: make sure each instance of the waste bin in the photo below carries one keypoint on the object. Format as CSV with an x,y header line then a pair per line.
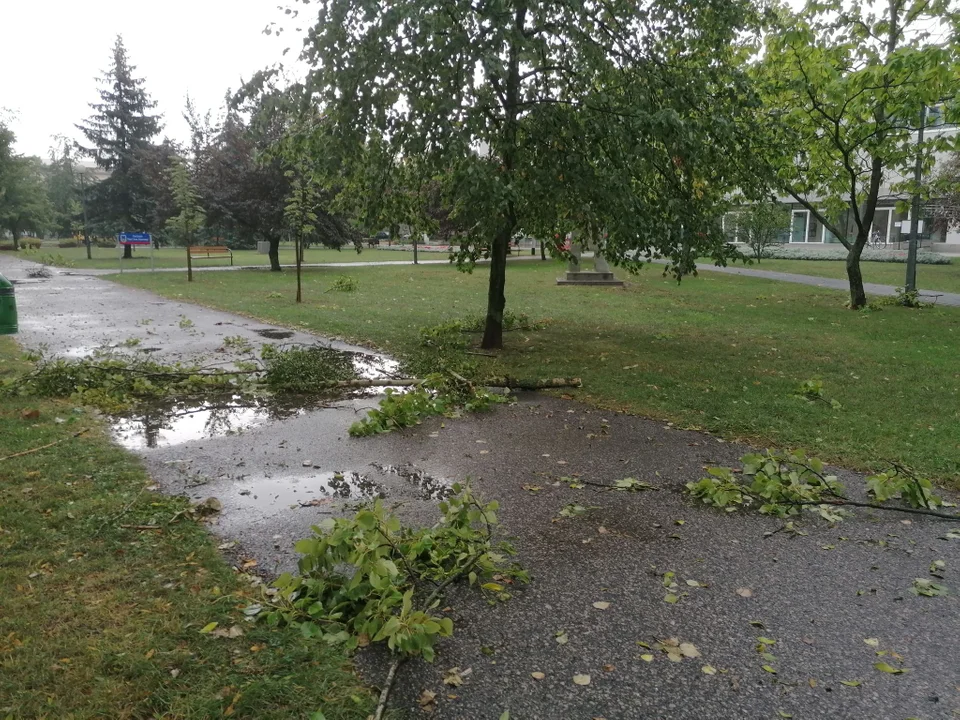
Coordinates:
x,y
8,308
263,247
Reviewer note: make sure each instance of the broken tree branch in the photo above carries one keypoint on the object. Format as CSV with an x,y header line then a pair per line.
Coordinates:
x,y
44,447
504,382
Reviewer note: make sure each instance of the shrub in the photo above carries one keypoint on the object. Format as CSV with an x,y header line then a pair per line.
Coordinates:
x,y
68,243
838,252
104,243
31,243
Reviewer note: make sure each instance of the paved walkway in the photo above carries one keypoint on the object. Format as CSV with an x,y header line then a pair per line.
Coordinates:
x,y
819,594
933,296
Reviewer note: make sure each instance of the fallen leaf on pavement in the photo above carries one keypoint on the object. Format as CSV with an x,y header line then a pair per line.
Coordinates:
x,y
602,605
581,679
744,592
537,675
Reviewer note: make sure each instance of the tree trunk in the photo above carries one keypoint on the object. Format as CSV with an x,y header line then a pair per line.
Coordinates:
x,y
858,296
16,242
543,250
274,255
496,300
299,253
127,252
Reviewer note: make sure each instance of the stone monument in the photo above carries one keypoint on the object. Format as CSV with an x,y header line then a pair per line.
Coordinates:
x,y
576,275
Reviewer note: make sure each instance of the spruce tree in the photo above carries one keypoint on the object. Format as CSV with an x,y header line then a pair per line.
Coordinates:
x,y
118,131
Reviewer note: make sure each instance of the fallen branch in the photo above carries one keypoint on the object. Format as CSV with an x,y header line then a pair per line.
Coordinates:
x,y
392,674
44,447
140,527
840,502
503,382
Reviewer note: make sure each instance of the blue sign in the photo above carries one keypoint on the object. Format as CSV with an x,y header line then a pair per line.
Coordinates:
x,y
134,239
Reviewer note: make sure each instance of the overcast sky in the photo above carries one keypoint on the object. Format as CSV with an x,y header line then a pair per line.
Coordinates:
x,y
53,50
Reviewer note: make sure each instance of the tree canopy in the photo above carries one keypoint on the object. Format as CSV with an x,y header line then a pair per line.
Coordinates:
x,y
843,86
118,134
619,118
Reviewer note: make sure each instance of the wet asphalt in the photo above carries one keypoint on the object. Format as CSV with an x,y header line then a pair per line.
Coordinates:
x,y
819,595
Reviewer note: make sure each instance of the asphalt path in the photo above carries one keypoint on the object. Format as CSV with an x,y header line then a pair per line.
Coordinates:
x,y
819,595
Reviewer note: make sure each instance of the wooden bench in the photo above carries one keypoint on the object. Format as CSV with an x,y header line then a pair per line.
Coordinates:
x,y
209,252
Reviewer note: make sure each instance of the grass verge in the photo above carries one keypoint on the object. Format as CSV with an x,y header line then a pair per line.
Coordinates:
x,y
717,352
101,619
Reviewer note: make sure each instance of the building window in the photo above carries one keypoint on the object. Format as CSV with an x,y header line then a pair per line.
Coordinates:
x,y
804,228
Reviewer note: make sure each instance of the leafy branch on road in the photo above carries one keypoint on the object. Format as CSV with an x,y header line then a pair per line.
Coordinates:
x,y
782,484
370,579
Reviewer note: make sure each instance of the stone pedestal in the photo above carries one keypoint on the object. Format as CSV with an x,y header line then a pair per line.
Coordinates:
x,y
589,277
577,275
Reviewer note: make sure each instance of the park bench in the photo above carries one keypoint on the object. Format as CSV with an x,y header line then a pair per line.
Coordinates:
x,y
209,252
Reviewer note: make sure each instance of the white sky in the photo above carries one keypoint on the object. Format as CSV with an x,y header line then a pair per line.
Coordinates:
x,y
53,50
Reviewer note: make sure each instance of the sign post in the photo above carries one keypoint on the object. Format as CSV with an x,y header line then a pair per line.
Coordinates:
x,y
137,238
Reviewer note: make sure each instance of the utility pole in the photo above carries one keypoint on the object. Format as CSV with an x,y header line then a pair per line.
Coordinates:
x,y
910,284
83,202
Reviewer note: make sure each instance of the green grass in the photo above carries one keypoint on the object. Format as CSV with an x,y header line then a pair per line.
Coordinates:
x,y
98,620
929,277
717,352
106,258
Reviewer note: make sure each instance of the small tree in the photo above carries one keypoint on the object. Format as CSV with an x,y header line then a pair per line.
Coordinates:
x,y
24,204
762,225
299,215
843,89
185,199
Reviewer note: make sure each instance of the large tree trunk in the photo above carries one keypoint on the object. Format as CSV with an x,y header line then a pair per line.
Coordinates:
x,y
127,252
543,250
858,296
496,300
274,254
16,242
493,329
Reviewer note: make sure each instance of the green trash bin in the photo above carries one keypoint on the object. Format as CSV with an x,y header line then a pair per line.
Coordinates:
x,y
8,308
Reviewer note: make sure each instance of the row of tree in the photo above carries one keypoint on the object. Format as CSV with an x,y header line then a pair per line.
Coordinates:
x,y
230,181
635,123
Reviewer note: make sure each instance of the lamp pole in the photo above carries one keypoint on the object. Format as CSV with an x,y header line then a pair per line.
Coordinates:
x,y
83,202
910,284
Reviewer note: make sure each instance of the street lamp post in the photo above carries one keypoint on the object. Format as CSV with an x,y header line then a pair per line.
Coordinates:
x,y
83,202
910,284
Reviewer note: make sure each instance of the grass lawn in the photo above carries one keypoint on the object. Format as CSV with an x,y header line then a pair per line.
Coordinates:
x,y
718,352
929,277
99,619
106,258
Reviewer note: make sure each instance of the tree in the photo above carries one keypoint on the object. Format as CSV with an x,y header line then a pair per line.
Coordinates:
x,y
191,217
120,128
23,197
620,118
63,189
843,91
299,214
762,225
946,208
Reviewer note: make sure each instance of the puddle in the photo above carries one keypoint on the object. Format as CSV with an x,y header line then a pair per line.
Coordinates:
x,y
308,490
429,487
162,426
273,334
375,367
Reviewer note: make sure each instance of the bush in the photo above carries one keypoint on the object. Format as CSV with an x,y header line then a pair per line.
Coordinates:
x,y
105,243
31,243
68,243
838,252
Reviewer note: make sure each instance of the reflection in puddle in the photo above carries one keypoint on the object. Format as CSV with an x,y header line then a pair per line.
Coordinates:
x,y
375,367
81,351
314,490
430,488
157,426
